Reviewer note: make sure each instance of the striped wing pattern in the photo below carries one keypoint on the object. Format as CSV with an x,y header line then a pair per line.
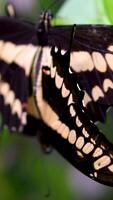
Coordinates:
x,y
92,61
60,102
13,101
91,57
15,66
71,131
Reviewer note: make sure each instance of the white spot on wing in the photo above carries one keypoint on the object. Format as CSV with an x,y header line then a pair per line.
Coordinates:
x,y
9,99
91,175
111,168
93,141
56,49
70,100
24,118
78,122
58,80
88,147
65,133
111,155
8,94
56,124
86,98
78,87
97,93
103,147
98,152
80,154
109,59
110,48
95,174
85,133
107,83
61,128
1,45
70,70
63,51
72,137
65,92
72,111
53,71
102,162
81,61
80,142
17,108
99,62
4,88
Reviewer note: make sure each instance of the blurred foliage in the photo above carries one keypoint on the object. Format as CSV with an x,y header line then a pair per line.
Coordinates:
x,y
31,9
25,172
108,6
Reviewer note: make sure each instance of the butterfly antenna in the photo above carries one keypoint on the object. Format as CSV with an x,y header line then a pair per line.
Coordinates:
x,y
72,37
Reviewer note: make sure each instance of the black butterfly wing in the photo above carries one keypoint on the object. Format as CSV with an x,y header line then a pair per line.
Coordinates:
x,y
17,31
74,156
87,150
70,130
86,43
97,80
16,56
92,61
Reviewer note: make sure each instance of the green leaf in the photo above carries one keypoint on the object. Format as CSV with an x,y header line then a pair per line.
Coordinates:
x,y
108,6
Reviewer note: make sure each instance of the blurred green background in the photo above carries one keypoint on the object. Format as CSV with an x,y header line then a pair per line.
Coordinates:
x,y
25,172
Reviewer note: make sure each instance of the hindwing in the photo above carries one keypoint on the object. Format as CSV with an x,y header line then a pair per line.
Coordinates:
x,y
70,130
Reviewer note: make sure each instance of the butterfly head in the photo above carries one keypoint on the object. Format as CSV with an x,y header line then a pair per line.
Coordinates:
x,y
43,27
45,21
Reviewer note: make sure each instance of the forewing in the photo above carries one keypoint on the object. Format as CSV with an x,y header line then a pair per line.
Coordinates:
x,y
17,31
17,50
91,56
92,61
74,135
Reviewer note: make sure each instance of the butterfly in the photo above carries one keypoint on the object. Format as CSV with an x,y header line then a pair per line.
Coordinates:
x,y
28,92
